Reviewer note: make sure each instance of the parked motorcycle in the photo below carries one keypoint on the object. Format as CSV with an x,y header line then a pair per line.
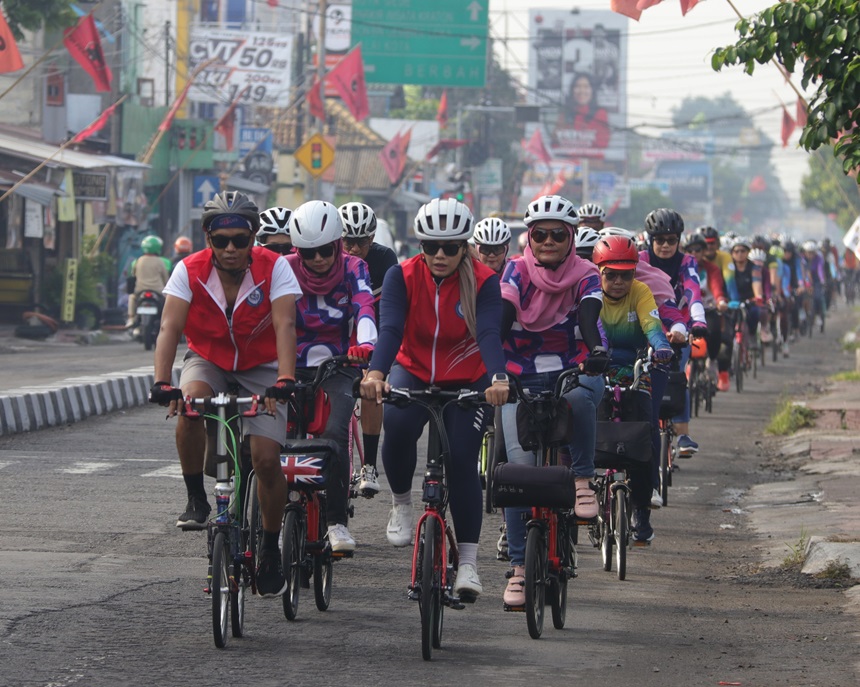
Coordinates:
x,y
148,305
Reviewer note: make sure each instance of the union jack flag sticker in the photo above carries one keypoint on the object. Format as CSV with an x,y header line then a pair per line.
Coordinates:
x,y
303,469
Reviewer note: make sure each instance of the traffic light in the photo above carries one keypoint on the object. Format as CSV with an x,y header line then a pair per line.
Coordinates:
x,y
316,155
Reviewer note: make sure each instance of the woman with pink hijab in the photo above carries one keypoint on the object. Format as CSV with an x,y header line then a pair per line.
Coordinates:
x,y
551,307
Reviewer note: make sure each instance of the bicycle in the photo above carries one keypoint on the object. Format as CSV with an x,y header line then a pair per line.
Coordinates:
x,y
433,563
741,361
549,489
232,565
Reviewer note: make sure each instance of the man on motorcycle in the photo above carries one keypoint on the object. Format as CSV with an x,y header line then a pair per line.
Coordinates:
x,y
149,272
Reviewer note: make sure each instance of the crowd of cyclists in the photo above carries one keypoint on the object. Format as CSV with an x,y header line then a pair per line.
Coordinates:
x,y
276,293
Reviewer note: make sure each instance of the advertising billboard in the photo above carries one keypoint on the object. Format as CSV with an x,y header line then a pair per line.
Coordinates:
x,y
578,73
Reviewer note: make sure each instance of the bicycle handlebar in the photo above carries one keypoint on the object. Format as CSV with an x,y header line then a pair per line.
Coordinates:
x,y
222,400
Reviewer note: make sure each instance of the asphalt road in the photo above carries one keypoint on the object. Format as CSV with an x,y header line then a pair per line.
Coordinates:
x,y
101,589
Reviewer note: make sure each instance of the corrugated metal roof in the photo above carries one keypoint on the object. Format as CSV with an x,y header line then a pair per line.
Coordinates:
x,y
39,151
40,194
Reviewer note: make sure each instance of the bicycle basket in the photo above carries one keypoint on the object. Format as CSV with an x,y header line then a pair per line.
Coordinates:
x,y
306,462
675,396
533,486
555,424
621,443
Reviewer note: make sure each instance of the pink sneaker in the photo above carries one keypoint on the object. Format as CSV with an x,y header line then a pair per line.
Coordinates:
x,y
515,592
586,500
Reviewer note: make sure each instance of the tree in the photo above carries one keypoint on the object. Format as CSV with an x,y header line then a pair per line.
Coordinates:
x,y
821,37
32,15
642,201
820,189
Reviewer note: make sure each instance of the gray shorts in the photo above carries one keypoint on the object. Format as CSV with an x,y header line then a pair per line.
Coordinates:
x,y
253,381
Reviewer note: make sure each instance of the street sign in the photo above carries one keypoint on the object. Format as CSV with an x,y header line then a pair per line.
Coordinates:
x,y
204,188
90,185
254,138
443,43
315,155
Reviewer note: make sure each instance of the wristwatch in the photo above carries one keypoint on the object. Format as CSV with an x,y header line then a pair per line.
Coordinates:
x,y
501,378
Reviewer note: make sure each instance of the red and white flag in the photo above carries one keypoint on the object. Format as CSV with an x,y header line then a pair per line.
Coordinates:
x,y
84,44
442,111
802,113
10,58
393,157
347,78
97,125
537,149
788,126
314,97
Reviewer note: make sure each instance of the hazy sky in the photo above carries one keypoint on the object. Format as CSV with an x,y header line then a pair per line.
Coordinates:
x,y
670,59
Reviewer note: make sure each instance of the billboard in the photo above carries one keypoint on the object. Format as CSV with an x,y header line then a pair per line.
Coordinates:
x,y
578,73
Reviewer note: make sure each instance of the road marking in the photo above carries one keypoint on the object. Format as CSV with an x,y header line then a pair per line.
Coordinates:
x,y
87,468
174,471
7,463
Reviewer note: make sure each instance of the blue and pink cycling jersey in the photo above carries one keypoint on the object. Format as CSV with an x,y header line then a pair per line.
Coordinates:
x,y
688,291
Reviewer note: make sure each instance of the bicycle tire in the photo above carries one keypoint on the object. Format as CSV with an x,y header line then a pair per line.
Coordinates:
x,y
737,367
606,541
254,518
219,589
292,537
430,600
238,595
535,576
558,583
488,459
695,386
622,532
323,568
665,447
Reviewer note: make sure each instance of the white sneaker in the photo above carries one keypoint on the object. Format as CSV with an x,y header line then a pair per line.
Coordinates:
x,y
367,479
468,582
400,525
340,539
656,499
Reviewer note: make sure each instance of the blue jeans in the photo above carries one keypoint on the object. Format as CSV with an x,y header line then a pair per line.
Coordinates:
x,y
682,364
583,400
659,381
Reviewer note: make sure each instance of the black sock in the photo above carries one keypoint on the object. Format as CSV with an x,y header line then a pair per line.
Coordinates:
x,y
270,540
194,485
371,448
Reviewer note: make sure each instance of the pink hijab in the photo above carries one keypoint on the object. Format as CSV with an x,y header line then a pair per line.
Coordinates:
x,y
319,284
555,290
656,280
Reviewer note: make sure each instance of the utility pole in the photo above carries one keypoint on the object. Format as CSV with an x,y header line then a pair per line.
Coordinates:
x,y
167,63
315,184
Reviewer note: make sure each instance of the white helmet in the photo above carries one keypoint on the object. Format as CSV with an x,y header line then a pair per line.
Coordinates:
x,y
810,246
592,210
275,220
742,241
491,231
758,255
586,237
315,224
726,242
551,207
359,220
616,231
444,220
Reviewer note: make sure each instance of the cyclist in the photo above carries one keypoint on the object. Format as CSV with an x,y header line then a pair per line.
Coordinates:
x,y
337,301
551,308
274,234
714,254
492,238
744,284
359,228
149,272
439,314
182,248
236,306
593,216
794,285
631,323
665,227
713,298
586,240
816,270
850,274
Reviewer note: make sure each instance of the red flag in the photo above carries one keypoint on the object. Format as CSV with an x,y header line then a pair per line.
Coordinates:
x,y
272,3
393,158
537,149
445,144
174,108
802,114
347,78
626,7
226,126
84,45
788,125
97,125
404,146
442,111
315,103
687,5
10,58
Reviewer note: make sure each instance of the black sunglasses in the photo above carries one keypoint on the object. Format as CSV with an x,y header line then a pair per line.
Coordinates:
x,y
221,241
492,250
433,247
325,251
626,275
541,235
358,241
282,248
668,240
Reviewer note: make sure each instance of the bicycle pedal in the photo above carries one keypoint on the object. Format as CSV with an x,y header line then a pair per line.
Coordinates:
x,y
584,522
465,598
641,544
368,493
514,609
342,554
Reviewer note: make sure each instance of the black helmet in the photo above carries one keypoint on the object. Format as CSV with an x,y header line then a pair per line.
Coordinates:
x,y
231,203
709,233
789,247
694,240
761,241
664,221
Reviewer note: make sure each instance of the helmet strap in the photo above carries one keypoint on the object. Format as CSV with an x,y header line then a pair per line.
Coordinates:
x,y
237,274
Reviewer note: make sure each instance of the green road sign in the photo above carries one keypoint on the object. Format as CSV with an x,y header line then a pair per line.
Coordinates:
x,y
437,43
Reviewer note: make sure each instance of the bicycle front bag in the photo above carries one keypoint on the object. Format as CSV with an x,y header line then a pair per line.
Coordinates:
x,y
675,397
557,422
621,443
306,463
533,486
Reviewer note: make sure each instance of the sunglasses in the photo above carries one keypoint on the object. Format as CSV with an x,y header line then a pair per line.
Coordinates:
x,y
325,251
221,241
626,275
360,242
282,248
433,247
492,250
541,235
666,240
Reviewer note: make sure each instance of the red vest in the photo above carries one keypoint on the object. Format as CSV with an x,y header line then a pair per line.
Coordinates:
x,y
437,346
246,341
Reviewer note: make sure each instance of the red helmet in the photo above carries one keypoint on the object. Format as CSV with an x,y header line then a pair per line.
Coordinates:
x,y
617,252
182,245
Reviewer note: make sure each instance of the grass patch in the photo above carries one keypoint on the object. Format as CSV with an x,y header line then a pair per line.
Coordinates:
x,y
796,552
836,571
789,418
847,376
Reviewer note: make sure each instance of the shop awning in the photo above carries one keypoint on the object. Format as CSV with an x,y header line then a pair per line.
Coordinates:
x,y
39,194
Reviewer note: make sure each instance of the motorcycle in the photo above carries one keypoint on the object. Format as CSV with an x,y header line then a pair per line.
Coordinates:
x,y
148,305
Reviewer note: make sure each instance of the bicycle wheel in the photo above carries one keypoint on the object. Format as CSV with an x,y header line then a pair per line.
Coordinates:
x,y
558,583
254,520
604,518
323,571
737,367
429,581
488,465
695,386
536,564
241,582
219,589
665,476
292,538
621,533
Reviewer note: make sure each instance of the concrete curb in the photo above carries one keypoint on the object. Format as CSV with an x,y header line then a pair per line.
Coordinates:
x,y
32,408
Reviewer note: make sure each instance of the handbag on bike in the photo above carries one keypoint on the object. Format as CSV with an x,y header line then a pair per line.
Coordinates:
x,y
675,396
620,443
306,462
316,412
555,422
517,485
